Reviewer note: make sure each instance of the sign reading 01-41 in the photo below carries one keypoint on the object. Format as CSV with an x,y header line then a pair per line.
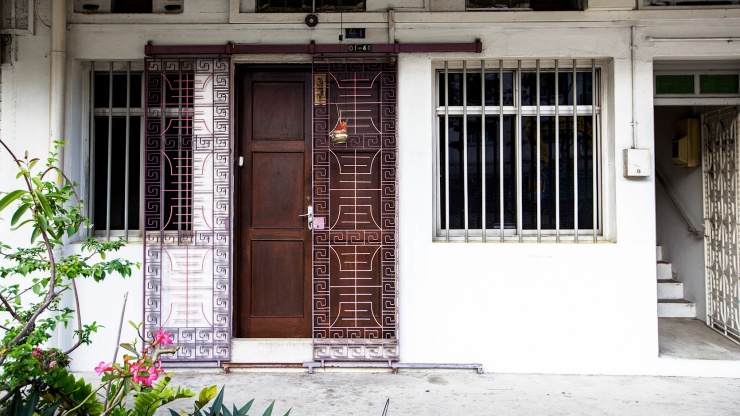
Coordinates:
x,y
360,47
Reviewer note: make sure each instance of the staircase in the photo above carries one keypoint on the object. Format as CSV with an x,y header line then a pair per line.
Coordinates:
x,y
671,303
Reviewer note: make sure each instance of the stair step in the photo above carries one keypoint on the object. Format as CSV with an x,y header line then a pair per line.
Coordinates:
x,y
659,253
664,270
676,308
670,289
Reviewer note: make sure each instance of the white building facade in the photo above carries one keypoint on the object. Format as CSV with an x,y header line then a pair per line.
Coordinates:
x,y
480,210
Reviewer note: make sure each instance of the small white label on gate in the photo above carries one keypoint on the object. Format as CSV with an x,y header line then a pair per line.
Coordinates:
x,y
318,223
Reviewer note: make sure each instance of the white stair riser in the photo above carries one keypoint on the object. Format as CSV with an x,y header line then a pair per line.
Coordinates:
x,y
670,290
665,271
659,253
676,310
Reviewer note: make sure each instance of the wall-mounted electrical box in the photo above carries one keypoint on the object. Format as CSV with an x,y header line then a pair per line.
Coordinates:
x,y
686,149
636,163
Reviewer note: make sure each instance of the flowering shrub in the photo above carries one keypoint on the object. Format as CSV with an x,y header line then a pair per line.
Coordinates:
x,y
33,378
35,278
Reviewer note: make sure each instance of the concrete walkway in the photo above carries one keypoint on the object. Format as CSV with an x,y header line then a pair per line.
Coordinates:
x,y
415,392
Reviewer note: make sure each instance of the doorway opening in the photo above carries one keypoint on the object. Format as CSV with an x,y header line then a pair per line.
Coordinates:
x,y
696,185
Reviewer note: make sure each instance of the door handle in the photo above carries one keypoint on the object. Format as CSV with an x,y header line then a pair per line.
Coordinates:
x,y
309,216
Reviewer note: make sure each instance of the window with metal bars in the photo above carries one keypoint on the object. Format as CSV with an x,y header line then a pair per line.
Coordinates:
x,y
308,6
517,151
115,139
536,5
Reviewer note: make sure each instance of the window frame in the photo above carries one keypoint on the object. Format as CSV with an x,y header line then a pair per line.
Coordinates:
x,y
113,68
594,111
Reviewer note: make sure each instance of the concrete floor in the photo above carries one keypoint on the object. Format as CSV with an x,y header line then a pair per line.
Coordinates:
x,y
463,392
415,392
692,339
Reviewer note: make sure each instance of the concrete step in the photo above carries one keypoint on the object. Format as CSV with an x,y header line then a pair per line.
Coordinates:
x,y
664,270
670,289
676,308
659,253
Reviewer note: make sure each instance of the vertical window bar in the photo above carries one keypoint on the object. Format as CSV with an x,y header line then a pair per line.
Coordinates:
x,y
483,147
518,149
575,151
163,223
91,135
537,159
177,165
594,150
501,146
557,153
447,153
110,150
126,156
466,213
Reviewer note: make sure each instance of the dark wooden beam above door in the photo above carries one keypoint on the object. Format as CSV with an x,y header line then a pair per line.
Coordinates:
x,y
312,48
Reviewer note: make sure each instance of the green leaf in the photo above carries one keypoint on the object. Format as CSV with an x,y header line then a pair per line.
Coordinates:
x,y
44,203
19,213
35,234
10,197
37,182
21,225
205,396
268,411
129,347
43,225
243,411
50,411
32,401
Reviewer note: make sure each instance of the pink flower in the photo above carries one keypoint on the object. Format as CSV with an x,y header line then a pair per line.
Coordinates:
x,y
161,337
52,364
103,368
144,376
153,375
36,352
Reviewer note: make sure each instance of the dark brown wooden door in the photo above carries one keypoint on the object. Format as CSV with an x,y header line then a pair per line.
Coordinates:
x,y
274,188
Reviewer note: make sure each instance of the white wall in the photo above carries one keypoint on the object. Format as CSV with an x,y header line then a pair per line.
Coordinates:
x,y
568,308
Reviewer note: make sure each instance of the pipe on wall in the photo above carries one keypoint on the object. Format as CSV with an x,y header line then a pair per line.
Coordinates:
x,y
57,74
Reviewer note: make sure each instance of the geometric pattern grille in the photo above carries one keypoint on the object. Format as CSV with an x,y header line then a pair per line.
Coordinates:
x,y
354,198
720,164
187,182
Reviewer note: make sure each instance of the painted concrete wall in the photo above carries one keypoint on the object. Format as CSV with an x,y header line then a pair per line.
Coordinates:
x,y
566,308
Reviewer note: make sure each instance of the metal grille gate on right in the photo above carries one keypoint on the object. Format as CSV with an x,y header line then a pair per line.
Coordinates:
x,y
355,209
720,166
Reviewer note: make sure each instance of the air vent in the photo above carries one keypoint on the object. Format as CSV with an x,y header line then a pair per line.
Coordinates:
x,y
692,3
16,17
128,6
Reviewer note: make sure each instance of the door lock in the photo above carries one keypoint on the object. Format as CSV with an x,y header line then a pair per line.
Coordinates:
x,y
309,216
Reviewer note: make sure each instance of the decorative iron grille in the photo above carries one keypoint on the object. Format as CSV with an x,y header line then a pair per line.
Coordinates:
x,y
355,211
187,182
720,162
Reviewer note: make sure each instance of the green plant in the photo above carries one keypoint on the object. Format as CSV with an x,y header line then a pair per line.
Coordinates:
x,y
33,378
218,408
37,276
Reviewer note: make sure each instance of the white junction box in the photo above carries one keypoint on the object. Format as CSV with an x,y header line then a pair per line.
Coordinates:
x,y
636,163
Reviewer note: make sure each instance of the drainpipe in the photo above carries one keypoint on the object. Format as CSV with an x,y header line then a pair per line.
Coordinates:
x,y
633,47
58,58
57,74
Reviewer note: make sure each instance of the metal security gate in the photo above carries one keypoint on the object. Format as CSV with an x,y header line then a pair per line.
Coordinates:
x,y
721,159
355,209
187,190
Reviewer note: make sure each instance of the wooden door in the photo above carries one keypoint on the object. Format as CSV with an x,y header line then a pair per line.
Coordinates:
x,y
274,188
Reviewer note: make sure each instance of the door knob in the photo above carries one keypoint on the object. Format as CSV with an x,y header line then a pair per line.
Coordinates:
x,y
309,216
